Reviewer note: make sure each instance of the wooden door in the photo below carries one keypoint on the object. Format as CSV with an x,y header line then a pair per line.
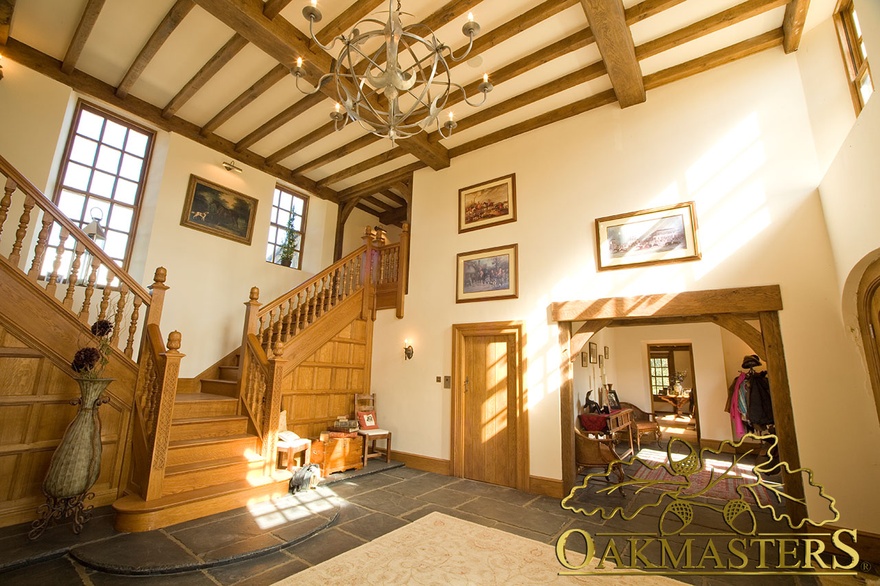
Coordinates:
x,y
489,427
489,410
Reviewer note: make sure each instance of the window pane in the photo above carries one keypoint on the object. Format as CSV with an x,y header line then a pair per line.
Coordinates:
x,y
97,208
108,159
102,184
120,218
270,253
286,200
297,223
115,245
295,262
866,88
131,167
137,143
72,205
298,204
280,237
126,191
276,197
114,134
83,151
77,176
90,125
272,234
283,218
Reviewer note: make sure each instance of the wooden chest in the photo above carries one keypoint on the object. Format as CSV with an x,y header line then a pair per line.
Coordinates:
x,y
336,454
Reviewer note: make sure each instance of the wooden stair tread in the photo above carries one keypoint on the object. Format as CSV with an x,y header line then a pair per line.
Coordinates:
x,y
194,397
219,380
209,440
214,418
133,503
207,465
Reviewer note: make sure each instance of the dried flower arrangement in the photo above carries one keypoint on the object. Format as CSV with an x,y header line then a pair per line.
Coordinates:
x,y
89,361
679,377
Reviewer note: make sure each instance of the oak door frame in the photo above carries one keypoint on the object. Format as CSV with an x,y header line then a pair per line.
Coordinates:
x,y
459,333
728,308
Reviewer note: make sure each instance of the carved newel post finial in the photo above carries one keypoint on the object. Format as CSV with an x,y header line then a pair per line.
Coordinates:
x,y
174,341
277,349
255,294
160,275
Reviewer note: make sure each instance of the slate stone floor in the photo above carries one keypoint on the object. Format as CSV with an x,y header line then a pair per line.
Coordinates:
x,y
324,523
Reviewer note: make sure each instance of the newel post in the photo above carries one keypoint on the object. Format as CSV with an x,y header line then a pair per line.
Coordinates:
x,y
369,264
402,269
272,407
162,433
157,297
251,326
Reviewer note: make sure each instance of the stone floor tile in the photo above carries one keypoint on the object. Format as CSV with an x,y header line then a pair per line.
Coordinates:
x,y
325,545
404,473
502,493
291,532
384,501
447,497
275,574
513,515
224,532
431,508
243,547
58,571
374,525
234,573
148,550
198,578
420,485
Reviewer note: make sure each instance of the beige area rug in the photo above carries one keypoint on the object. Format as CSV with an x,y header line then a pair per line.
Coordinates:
x,y
442,550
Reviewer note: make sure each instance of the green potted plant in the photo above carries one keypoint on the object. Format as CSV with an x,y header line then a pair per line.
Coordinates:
x,y
288,247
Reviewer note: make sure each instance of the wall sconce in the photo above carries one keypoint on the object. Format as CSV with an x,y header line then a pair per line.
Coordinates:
x,y
407,350
231,167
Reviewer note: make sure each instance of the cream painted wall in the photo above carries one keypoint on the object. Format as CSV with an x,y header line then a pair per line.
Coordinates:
x,y
711,384
211,277
738,141
354,230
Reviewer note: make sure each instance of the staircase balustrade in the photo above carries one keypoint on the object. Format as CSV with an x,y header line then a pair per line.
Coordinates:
x,y
55,254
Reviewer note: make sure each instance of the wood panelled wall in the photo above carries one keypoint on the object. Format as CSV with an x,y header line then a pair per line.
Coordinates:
x,y
35,409
322,387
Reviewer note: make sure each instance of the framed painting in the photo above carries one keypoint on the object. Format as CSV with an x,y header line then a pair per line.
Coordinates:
x,y
585,360
647,237
219,211
488,274
487,204
594,353
607,353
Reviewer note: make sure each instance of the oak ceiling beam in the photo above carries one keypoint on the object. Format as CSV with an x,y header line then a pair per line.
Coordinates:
x,y
380,183
614,39
394,197
365,165
302,142
687,303
580,338
81,35
711,24
174,17
745,331
737,51
342,151
279,120
271,9
259,87
395,217
384,207
793,24
86,84
7,7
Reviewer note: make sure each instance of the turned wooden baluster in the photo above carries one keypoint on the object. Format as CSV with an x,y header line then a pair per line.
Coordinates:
x,y
105,298
73,276
296,320
275,335
40,250
313,304
288,319
133,326
120,311
23,223
6,201
56,266
90,290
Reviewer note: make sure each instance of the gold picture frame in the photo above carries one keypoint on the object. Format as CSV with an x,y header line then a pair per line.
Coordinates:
x,y
486,204
647,237
220,211
487,275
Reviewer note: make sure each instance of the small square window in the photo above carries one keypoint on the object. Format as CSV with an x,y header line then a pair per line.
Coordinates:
x,y
855,54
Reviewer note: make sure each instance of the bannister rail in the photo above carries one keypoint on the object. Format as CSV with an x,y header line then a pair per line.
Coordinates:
x,y
51,250
387,271
293,312
255,382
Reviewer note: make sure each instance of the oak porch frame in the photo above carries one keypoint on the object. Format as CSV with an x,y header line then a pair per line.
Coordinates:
x,y
730,309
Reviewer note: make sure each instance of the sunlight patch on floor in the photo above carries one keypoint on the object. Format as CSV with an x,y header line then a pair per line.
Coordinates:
x,y
280,510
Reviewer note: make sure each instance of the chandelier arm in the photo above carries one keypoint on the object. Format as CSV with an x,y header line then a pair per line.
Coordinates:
x,y
315,40
318,85
463,56
465,96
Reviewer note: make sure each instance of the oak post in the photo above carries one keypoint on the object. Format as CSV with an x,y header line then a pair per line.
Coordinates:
x,y
402,269
251,321
157,297
162,434
369,290
272,408
567,407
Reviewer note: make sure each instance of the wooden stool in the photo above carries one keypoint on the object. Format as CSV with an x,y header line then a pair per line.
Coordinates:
x,y
301,446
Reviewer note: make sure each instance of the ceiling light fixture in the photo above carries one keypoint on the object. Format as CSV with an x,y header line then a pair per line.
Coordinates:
x,y
231,167
387,98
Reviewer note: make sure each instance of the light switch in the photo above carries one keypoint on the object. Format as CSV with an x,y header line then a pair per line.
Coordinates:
x,y
438,379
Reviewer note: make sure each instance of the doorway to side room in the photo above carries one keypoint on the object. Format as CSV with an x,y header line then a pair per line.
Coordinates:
x,y
673,388
489,422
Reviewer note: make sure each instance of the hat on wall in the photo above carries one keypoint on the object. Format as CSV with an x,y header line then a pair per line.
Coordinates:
x,y
751,361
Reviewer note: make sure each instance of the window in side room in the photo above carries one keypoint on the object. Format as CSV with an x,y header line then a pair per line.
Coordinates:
x,y
102,178
287,228
855,54
659,371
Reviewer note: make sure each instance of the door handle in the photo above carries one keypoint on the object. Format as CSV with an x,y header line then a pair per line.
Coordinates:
x,y
467,383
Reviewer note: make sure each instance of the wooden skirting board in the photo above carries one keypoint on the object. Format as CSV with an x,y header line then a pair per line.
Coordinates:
x,y
545,486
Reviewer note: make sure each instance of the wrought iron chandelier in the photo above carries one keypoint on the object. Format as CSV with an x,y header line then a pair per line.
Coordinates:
x,y
385,97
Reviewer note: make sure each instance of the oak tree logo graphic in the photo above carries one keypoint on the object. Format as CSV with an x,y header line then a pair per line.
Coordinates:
x,y
684,486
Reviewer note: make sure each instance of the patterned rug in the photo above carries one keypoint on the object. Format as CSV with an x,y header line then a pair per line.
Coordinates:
x,y
442,550
724,489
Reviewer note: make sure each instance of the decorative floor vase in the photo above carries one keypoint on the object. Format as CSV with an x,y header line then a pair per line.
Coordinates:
x,y
76,463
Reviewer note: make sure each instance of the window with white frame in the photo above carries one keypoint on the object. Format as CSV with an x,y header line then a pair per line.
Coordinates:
x,y
855,54
102,178
287,228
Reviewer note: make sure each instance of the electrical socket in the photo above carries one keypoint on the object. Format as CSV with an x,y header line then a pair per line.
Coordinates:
x,y
447,382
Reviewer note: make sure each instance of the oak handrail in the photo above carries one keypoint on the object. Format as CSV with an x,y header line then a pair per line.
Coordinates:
x,y
48,206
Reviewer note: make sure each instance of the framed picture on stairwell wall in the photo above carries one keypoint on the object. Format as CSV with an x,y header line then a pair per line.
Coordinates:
x,y
487,204
214,209
487,274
